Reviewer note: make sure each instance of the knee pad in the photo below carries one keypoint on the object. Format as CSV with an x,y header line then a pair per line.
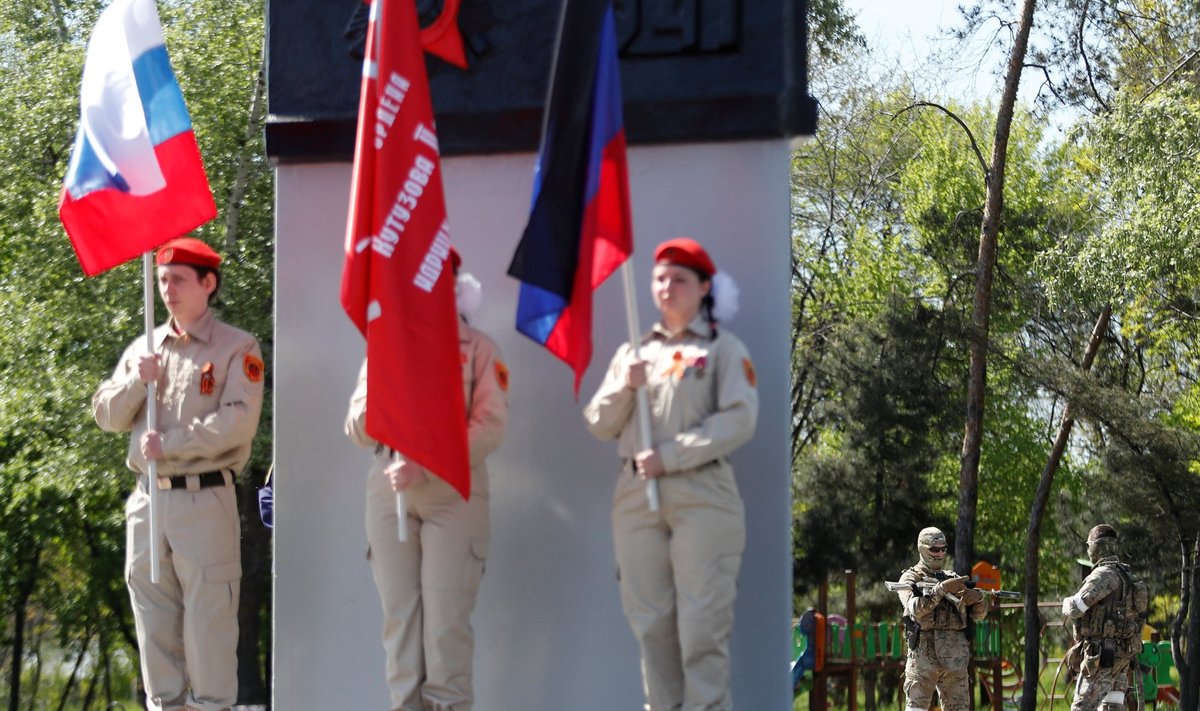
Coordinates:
x,y
1113,701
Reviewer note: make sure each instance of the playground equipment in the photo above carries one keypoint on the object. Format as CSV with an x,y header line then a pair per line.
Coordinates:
x,y
826,646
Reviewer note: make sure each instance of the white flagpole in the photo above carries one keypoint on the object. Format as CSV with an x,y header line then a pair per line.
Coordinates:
x,y
401,517
401,513
151,413
643,401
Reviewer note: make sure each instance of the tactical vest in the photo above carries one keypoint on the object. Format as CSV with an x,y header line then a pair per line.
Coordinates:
x,y
946,615
1120,615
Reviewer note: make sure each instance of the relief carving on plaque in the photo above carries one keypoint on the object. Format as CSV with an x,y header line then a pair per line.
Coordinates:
x,y
670,27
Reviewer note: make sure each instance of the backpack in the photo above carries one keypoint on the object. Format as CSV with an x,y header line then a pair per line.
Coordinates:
x,y
1129,611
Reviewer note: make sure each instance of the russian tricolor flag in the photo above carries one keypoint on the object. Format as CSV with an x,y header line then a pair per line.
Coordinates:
x,y
135,179
580,229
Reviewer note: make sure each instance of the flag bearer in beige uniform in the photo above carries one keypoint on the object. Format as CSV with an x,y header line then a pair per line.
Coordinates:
x,y
678,566
429,582
209,378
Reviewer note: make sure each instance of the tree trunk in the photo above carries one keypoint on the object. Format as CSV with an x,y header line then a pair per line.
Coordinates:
x,y
20,608
1189,620
117,603
35,677
254,602
107,669
91,692
1033,534
968,494
18,651
70,685
233,205
254,597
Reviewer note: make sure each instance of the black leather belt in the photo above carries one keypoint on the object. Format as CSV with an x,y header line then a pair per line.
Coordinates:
x,y
629,466
206,480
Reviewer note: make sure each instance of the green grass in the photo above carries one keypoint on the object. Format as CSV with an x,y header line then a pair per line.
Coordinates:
x,y
1062,689
837,698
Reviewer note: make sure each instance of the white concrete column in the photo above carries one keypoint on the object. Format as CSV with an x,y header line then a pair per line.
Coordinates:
x,y
550,634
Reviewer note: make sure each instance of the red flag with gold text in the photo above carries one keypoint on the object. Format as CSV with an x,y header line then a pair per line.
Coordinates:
x,y
397,283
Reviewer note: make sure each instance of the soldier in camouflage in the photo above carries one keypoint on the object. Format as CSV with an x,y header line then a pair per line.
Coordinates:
x,y
1110,609
939,652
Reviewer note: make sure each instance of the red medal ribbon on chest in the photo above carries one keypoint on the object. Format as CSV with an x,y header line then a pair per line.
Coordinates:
x,y
207,380
675,368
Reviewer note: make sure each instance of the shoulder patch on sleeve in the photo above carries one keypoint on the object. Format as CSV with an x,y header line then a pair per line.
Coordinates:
x,y
502,375
751,376
253,367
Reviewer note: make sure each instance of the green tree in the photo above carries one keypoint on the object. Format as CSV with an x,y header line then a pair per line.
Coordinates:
x,y
1092,51
1145,262
885,429
1103,223
61,481
831,30
887,203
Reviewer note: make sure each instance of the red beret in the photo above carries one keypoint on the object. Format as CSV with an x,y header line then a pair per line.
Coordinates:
x,y
455,259
188,250
686,252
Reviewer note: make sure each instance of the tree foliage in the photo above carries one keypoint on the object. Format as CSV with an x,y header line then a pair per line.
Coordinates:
x,y
886,206
62,481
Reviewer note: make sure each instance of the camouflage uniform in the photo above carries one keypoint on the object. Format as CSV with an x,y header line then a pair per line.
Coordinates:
x,y
941,658
1107,636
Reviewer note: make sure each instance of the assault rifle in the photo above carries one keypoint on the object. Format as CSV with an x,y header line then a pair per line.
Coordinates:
x,y
925,584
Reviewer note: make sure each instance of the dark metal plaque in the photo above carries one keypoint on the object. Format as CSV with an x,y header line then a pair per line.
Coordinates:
x,y
691,70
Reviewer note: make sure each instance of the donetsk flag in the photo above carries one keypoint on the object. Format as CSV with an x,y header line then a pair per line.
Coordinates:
x,y
579,228
135,179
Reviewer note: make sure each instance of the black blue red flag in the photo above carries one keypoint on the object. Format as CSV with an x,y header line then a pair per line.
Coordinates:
x,y
580,229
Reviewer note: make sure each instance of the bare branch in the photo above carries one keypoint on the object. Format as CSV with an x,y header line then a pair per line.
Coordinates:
x,y
1170,74
970,136
1087,64
1049,83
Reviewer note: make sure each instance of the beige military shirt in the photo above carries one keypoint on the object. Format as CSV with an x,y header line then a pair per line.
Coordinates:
x,y
703,397
210,392
485,387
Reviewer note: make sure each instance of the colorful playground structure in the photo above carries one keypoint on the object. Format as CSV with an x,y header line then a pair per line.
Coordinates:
x,y
827,646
